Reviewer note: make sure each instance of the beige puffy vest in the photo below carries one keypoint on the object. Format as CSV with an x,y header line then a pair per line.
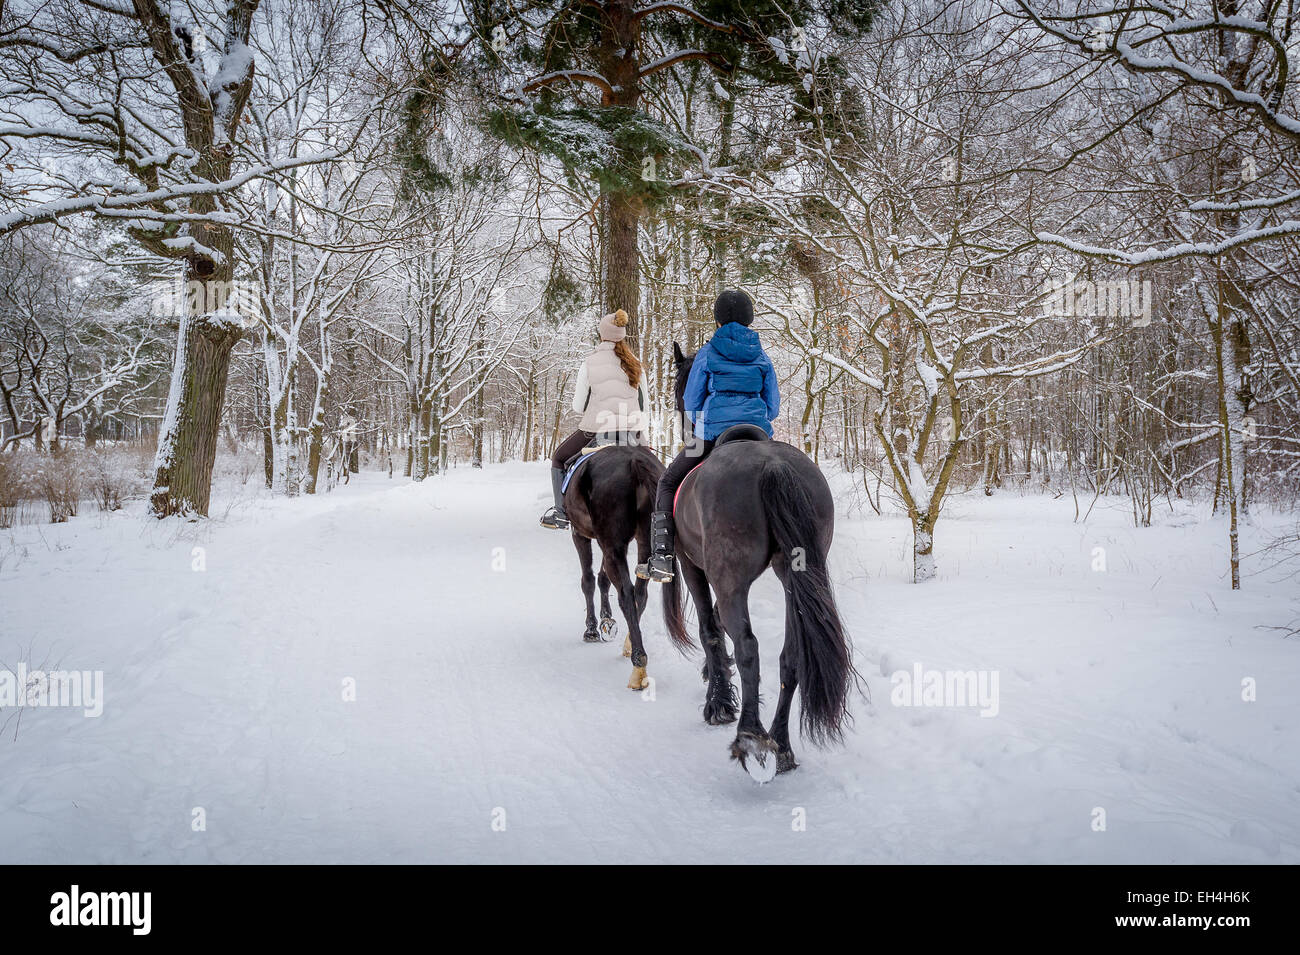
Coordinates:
x,y
613,404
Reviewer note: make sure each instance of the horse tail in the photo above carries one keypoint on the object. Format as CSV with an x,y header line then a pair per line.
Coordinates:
x,y
674,614
822,653
647,478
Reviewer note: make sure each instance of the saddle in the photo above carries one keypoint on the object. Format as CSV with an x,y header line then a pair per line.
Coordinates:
x,y
740,432
737,432
609,439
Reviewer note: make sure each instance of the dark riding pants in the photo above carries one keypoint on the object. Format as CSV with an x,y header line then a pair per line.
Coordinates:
x,y
686,459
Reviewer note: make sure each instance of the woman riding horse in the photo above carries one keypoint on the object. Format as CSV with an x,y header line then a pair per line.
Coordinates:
x,y
611,397
754,504
731,382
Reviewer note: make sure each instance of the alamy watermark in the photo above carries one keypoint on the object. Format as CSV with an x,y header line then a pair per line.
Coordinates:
x,y
1127,299
75,907
79,689
236,300
963,688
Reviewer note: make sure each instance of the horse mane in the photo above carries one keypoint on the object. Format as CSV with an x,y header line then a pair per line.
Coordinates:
x,y
684,363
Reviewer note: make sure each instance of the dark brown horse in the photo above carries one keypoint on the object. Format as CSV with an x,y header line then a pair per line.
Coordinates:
x,y
755,503
609,501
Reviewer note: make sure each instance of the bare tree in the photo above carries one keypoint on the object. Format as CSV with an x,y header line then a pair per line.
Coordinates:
x,y
136,116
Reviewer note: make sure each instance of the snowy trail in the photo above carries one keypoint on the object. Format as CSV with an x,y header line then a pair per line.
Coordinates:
x,y
477,701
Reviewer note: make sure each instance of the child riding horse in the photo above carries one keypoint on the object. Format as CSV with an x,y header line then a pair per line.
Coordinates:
x,y
731,382
611,397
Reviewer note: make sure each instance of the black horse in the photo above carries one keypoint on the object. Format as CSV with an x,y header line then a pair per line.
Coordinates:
x,y
752,504
609,501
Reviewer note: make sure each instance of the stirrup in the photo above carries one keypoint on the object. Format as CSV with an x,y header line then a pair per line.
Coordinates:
x,y
660,568
555,520
643,571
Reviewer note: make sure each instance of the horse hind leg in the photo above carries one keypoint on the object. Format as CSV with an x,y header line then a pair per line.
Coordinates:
x,y
583,546
608,625
640,585
720,703
753,747
785,760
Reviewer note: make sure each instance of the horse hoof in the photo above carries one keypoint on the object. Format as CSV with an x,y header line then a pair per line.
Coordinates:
x,y
627,646
719,714
785,762
720,706
639,680
608,627
591,636
757,755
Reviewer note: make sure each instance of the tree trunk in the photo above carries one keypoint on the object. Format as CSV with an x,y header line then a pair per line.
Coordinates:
x,y
94,425
1230,347
1232,340
316,435
476,431
723,236
923,566
420,467
620,63
993,449
263,415
530,398
187,442
809,397
622,263
437,453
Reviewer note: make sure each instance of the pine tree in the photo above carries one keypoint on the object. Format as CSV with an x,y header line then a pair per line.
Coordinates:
x,y
585,70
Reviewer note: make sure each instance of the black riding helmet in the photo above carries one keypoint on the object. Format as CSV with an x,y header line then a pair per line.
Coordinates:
x,y
733,305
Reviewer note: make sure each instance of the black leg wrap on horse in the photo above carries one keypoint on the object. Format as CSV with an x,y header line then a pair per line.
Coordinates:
x,y
660,567
661,533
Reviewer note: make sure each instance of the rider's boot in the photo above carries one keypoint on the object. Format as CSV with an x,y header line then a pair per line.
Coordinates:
x,y
555,518
661,566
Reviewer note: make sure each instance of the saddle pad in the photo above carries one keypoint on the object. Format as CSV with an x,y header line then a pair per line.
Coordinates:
x,y
579,461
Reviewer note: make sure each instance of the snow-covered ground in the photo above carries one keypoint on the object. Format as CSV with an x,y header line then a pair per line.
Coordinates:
x,y
484,729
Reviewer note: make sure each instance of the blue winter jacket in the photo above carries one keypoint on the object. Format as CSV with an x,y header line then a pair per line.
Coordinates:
x,y
732,381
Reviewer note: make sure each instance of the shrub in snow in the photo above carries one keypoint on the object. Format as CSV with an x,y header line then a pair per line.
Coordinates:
x,y
13,487
60,480
112,477
143,452
238,464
